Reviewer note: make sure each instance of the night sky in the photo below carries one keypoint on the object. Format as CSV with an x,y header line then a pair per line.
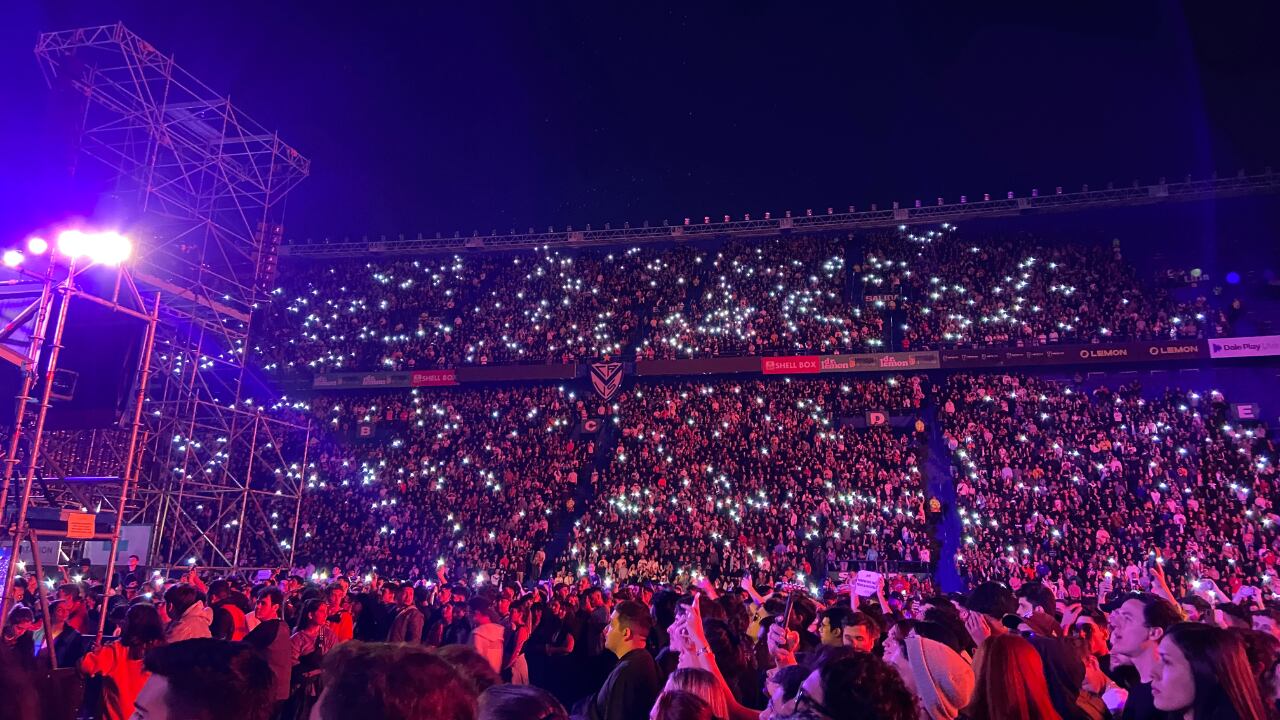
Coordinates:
x,y
431,117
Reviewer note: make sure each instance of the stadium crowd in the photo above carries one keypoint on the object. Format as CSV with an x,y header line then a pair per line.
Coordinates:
x,y
474,478
1022,291
754,475
678,551
1086,488
813,295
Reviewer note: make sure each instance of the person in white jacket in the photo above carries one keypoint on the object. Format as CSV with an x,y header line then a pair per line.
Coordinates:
x,y
189,617
486,634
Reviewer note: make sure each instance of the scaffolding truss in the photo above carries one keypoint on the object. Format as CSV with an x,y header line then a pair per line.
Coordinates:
x,y
221,476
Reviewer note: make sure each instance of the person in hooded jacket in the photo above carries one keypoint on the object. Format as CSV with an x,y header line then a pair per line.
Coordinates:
x,y
189,616
936,673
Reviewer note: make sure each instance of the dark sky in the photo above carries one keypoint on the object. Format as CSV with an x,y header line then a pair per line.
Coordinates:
x,y
427,117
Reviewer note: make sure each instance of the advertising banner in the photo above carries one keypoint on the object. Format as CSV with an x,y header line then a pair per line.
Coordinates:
x,y
860,362
699,366
356,381
441,378
876,362
1244,347
428,378
1153,351
502,373
134,540
790,365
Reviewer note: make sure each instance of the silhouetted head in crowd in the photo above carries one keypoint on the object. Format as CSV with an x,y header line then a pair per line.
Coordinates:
x,y
857,685
180,598
1034,597
703,684
471,665
380,681
142,631
519,702
992,599
205,679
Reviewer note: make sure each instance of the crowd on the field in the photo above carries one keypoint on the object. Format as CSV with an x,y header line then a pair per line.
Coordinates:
x,y
342,645
793,295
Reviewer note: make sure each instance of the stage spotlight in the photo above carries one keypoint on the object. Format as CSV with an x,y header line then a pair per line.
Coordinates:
x,y
112,248
108,248
72,243
1233,278
37,246
12,258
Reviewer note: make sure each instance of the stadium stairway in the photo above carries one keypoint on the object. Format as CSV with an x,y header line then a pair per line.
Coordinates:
x,y
584,495
853,285
941,485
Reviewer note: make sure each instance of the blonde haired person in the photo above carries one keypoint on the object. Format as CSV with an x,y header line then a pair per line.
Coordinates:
x,y
703,684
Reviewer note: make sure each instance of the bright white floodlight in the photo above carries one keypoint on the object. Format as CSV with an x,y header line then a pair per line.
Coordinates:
x,y
12,258
37,246
108,248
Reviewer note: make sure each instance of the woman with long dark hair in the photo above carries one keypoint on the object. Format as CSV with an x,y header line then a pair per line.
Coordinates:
x,y
1205,675
1011,684
120,663
311,640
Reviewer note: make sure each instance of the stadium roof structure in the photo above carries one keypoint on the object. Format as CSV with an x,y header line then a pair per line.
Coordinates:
x,y
808,222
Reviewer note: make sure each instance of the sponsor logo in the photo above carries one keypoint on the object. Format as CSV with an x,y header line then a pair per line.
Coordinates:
x,y
375,380
420,378
1088,353
1174,350
893,361
796,364
1254,346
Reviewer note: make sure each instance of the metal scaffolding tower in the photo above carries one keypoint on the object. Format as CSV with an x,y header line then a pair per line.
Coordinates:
x,y
221,476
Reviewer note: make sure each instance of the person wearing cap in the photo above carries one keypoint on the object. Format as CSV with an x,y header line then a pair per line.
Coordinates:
x,y
1138,623
985,609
